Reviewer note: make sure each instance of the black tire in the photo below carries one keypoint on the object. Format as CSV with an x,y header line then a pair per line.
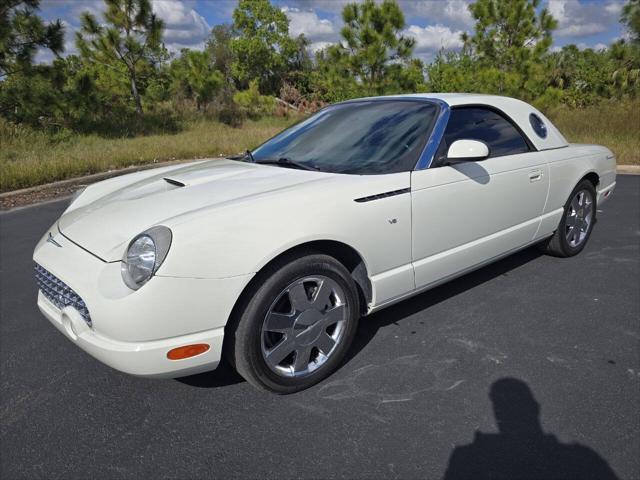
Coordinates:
x,y
243,338
558,245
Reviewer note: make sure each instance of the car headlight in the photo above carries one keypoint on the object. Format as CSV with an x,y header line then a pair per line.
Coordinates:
x,y
144,255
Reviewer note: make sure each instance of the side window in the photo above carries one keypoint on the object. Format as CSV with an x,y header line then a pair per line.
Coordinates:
x,y
477,123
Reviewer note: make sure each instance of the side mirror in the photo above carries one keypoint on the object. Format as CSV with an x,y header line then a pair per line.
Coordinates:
x,y
467,150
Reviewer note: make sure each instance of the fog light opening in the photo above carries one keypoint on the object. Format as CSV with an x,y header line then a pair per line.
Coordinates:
x,y
187,351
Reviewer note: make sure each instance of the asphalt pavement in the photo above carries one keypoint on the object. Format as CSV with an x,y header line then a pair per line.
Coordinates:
x,y
528,367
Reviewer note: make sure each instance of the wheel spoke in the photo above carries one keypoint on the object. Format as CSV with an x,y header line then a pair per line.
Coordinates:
x,y
575,203
299,298
587,209
333,316
325,343
570,233
302,359
571,221
322,297
279,322
279,352
576,235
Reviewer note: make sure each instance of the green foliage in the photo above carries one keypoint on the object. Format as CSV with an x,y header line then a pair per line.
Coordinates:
x,y
22,32
124,83
220,51
374,58
263,48
129,42
194,76
252,104
630,17
510,35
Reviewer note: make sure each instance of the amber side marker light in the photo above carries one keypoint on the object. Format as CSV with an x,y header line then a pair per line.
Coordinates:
x,y
187,351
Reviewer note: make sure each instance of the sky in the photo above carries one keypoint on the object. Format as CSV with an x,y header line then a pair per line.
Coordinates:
x,y
435,24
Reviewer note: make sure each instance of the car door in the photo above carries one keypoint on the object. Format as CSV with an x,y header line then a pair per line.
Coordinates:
x,y
467,213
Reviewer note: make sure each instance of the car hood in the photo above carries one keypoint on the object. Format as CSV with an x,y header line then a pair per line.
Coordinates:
x,y
106,224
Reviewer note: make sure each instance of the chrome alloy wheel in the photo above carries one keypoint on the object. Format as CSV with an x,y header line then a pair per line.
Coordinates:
x,y
304,326
578,219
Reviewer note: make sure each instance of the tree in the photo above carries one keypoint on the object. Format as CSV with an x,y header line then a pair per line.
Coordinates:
x,y
630,17
509,34
374,49
22,33
195,76
131,38
262,45
220,51
373,59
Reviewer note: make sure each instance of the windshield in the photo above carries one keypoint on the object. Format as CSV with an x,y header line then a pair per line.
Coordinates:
x,y
365,137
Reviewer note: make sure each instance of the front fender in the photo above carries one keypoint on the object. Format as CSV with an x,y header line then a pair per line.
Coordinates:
x,y
241,238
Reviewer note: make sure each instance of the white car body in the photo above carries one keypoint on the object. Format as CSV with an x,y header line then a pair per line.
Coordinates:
x,y
232,218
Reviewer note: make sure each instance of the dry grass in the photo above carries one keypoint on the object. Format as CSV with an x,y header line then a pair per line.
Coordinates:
x,y
29,157
616,125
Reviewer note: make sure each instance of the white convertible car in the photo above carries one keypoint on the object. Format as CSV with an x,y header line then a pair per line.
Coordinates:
x,y
269,260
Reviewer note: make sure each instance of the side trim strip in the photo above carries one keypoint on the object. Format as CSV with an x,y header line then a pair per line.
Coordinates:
x,y
378,196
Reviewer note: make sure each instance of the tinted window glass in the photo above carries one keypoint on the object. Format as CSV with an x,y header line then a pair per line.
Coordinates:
x,y
482,124
368,137
538,125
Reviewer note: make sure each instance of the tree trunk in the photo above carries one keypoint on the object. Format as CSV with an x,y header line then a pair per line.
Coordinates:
x,y
136,95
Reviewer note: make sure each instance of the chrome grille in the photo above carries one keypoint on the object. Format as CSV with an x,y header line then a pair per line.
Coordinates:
x,y
59,293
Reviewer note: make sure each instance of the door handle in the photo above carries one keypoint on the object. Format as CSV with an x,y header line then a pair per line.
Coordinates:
x,y
535,175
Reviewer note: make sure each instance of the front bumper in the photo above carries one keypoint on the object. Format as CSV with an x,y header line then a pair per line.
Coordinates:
x,y
604,193
132,331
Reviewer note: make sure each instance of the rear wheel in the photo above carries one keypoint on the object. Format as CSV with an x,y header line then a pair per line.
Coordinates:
x,y
297,324
577,222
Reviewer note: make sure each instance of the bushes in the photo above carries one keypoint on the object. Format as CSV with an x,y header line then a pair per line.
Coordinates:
x,y
252,104
231,114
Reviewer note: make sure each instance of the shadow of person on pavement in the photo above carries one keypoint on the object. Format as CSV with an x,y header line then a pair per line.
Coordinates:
x,y
521,450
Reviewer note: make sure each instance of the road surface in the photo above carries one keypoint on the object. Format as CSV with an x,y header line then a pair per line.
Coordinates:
x,y
555,341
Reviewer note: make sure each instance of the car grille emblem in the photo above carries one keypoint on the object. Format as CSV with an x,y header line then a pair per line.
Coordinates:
x,y
50,239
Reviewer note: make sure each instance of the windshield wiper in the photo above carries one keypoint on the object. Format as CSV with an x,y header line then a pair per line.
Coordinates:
x,y
286,162
243,157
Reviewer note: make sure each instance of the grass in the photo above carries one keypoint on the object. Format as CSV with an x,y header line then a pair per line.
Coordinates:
x,y
616,125
29,157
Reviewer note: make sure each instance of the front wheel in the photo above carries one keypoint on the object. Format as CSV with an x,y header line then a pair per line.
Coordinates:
x,y
577,222
297,324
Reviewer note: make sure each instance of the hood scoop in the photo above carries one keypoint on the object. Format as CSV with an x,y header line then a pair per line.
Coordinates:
x,y
174,182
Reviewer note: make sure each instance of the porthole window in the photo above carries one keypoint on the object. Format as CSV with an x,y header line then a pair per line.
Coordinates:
x,y
538,125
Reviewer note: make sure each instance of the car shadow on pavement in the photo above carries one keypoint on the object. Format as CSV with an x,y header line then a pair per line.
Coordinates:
x,y
369,326
520,449
220,377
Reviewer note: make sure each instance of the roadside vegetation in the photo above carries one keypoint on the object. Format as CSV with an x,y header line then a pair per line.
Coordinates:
x,y
32,157
125,100
615,125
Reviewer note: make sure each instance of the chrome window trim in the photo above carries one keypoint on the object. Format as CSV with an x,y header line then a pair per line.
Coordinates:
x,y
437,132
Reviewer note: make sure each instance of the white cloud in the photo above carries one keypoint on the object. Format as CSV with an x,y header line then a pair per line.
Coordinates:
x,y
95,7
308,22
184,27
596,47
614,8
575,19
432,38
453,13
317,46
